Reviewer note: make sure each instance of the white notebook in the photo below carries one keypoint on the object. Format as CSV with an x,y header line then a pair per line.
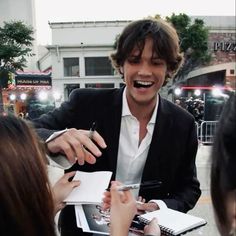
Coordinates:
x,y
173,222
91,189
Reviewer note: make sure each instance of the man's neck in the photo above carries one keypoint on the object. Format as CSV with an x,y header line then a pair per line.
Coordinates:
x,y
142,112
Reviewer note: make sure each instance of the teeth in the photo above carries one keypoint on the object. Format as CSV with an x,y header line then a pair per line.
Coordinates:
x,y
144,82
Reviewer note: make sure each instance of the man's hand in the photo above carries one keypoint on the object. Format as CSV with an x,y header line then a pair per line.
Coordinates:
x,y
77,145
148,206
141,204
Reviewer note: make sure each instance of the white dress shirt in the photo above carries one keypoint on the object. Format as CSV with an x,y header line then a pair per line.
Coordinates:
x,y
131,155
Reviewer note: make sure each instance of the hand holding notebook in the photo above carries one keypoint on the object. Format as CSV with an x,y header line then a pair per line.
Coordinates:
x,y
173,222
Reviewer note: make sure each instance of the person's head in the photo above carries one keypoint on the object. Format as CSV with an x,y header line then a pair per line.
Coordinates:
x,y
25,197
177,102
147,54
21,115
223,170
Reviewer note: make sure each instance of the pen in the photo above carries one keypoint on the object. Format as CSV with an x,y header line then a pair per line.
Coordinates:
x,y
128,187
144,185
92,129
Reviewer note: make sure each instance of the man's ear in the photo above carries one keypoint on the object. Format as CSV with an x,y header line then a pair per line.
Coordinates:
x,y
121,70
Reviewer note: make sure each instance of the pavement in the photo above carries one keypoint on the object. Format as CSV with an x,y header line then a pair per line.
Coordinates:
x,y
203,207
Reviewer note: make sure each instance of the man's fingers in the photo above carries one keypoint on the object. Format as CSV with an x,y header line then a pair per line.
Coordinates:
x,y
149,206
68,151
89,157
76,150
89,144
98,139
76,144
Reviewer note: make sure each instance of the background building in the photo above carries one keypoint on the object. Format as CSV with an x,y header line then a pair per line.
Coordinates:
x,y
79,55
212,82
27,94
21,10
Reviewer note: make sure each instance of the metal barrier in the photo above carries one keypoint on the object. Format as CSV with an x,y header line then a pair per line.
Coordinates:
x,y
197,129
207,131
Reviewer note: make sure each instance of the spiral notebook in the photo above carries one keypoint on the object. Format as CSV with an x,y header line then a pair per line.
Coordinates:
x,y
173,222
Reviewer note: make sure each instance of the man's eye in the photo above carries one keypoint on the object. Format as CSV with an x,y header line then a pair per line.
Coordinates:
x,y
134,60
158,62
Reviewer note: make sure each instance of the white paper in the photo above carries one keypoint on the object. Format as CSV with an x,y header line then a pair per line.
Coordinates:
x,y
91,189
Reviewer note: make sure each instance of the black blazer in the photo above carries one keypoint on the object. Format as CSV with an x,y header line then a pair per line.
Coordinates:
x,y
171,157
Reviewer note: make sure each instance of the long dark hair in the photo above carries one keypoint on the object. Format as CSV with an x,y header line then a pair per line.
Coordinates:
x,y
26,204
223,168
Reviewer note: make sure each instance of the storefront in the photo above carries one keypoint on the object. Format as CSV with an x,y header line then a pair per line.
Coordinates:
x,y
211,84
29,95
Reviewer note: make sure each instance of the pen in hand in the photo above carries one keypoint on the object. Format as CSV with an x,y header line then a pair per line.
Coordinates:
x,y
144,185
92,129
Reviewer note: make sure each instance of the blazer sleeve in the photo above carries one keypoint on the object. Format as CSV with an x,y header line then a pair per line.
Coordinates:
x,y
58,119
186,187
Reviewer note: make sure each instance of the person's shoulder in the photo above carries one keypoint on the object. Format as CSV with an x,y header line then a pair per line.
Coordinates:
x,y
96,95
176,110
93,91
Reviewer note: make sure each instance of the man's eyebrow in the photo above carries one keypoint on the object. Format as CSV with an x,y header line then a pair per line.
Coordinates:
x,y
133,56
157,58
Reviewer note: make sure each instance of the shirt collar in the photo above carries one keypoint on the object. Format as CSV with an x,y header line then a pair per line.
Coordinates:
x,y
126,110
125,107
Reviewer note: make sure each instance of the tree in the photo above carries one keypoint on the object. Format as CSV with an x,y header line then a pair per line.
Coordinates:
x,y
193,43
15,46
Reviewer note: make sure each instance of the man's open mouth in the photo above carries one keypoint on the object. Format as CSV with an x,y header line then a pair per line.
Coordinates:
x,y
142,84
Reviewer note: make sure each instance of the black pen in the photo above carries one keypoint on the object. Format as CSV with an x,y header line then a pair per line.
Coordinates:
x,y
91,130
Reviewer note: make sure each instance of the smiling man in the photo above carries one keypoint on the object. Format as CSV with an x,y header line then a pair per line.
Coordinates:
x,y
139,135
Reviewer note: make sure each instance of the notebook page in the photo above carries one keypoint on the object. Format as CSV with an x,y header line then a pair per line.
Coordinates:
x,y
176,221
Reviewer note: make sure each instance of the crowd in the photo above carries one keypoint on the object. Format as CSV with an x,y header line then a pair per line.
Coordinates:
x,y
193,106
135,129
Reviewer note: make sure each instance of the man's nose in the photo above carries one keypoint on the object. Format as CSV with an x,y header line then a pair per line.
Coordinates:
x,y
144,70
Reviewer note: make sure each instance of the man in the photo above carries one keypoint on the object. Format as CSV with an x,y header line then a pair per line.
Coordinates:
x,y
139,135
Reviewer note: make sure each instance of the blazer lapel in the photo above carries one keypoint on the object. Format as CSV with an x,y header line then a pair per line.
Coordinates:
x,y
112,121
159,145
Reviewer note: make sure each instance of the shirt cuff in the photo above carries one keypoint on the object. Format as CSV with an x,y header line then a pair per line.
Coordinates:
x,y
160,203
55,135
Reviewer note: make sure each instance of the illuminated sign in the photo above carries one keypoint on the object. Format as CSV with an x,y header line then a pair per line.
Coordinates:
x,y
27,81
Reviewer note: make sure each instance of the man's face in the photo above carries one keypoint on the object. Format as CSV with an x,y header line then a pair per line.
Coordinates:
x,y
144,75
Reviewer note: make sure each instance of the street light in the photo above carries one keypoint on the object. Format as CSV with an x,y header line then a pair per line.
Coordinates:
x,y
197,92
42,96
177,91
23,96
216,92
12,97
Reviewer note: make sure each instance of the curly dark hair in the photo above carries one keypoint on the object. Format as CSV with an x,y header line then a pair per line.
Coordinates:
x,y
165,41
